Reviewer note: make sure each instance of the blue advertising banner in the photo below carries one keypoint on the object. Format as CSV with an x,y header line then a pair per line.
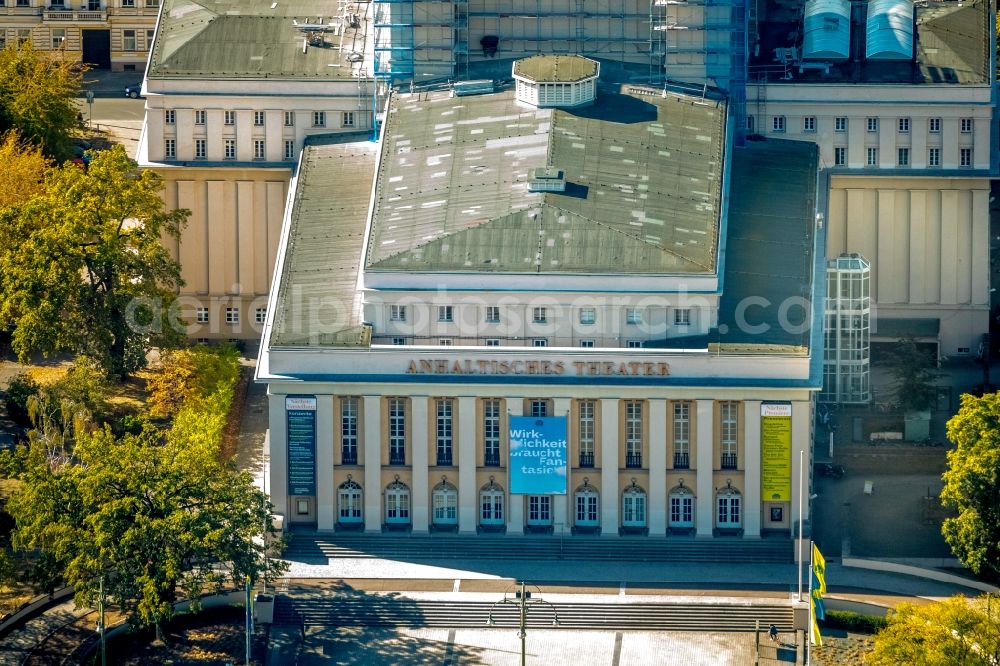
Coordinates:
x,y
539,455
301,411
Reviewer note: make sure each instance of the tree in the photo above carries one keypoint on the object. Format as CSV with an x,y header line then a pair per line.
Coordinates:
x,y
154,519
972,484
37,98
24,169
954,632
84,266
913,371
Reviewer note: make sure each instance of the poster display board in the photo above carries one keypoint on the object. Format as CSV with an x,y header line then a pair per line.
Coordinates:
x,y
301,414
776,451
539,455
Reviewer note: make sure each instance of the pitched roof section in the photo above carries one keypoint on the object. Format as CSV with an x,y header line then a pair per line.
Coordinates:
x,y
643,185
565,68
953,44
251,39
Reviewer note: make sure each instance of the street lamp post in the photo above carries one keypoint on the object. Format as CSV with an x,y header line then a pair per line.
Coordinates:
x,y
522,599
802,490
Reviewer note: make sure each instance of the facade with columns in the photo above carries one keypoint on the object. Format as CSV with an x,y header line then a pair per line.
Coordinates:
x,y
652,284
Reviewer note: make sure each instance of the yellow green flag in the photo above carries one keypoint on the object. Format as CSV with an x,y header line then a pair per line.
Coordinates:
x,y
819,572
814,636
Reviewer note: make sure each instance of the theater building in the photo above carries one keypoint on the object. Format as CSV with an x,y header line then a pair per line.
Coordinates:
x,y
617,271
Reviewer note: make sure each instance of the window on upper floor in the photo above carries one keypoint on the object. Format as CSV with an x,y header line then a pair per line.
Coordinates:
x,y
258,118
289,149
840,124
809,124
129,41
199,117
872,154
232,315
933,125
259,149
260,315
169,117
588,316
873,124
170,148
934,157
397,313
904,125
492,314
682,317
633,315
200,149
966,125
230,149
539,315
446,313
229,117
839,156
128,3
903,157
319,118
152,3
965,157
289,118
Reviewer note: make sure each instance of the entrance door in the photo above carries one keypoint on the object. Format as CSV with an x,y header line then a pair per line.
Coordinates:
x,y
97,48
539,510
682,510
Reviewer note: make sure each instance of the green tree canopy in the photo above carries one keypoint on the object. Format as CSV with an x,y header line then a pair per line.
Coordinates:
x,y
36,98
972,484
155,519
84,268
955,632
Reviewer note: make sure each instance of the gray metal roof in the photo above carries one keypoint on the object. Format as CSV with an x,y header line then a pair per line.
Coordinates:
x,y
250,39
317,300
643,188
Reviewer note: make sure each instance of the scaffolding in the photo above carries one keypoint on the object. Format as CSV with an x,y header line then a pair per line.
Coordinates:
x,y
705,42
420,41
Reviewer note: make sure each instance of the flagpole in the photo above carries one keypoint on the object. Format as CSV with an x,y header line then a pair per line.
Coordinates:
x,y
801,560
812,609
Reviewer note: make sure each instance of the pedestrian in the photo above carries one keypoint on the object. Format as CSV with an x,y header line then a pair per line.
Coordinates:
x,y
772,633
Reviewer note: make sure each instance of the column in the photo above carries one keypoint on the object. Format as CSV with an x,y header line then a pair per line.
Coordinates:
x,y
609,467
418,487
277,443
373,463
560,503
657,468
704,514
751,469
515,503
325,499
467,465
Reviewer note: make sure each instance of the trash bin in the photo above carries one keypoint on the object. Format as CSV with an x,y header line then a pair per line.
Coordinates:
x,y
264,608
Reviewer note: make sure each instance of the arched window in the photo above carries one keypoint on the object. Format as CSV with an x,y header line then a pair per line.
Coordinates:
x,y
728,508
444,499
491,505
634,507
539,511
349,502
587,512
681,507
397,503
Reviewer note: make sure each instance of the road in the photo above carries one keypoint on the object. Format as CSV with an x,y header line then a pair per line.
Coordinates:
x,y
108,109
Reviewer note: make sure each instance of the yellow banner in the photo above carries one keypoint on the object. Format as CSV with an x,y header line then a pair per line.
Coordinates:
x,y
819,570
776,452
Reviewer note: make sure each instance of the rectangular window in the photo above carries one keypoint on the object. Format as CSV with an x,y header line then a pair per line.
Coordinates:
x,y
149,39
539,342
633,315
399,341
809,124
348,119
170,148
966,125
200,149
840,124
58,37
903,157
491,432
682,435
839,156
446,313
125,3
445,342
258,118
682,317
129,41
23,34
728,429
152,3
588,316
778,123
749,124
232,315
586,343
633,434
492,314
229,117
934,125
633,344
539,408
965,157
201,316
586,428
397,313
397,431
349,431
445,427
539,315
289,149
872,157
934,157
260,315
873,124
199,117
492,342
319,118
289,118
230,149
904,125
258,149
169,117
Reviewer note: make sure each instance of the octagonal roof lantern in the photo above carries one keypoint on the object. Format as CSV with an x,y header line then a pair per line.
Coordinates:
x,y
556,80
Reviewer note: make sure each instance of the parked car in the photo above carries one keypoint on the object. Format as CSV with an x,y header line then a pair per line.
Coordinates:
x,y
134,90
